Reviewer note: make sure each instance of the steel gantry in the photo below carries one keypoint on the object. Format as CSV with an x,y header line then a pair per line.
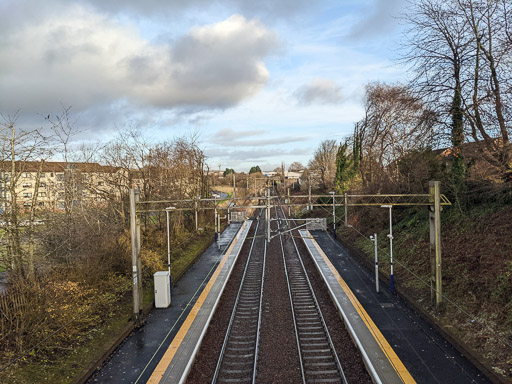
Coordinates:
x,y
434,200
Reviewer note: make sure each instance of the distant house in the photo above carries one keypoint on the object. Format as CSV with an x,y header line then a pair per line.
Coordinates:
x,y
475,153
293,175
215,173
287,175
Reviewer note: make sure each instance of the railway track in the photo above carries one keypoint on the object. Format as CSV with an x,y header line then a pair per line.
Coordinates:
x,y
239,353
295,345
319,361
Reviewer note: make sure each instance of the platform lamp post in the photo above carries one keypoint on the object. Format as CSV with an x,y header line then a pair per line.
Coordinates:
x,y
374,239
215,218
391,277
333,215
136,263
167,210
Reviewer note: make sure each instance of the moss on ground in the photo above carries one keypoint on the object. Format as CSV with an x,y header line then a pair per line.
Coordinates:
x,y
184,258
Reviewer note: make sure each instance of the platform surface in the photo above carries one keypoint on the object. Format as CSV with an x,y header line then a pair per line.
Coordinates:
x,y
136,358
426,355
175,364
382,363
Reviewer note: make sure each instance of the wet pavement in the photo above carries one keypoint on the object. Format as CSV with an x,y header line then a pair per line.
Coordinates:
x,y
425,353
136,358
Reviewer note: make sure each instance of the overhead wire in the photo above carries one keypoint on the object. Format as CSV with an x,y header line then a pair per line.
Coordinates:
x,y
417,276
75,318
471,316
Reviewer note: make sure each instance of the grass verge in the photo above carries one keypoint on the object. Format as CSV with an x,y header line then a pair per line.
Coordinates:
x,y
64,368
185,258
75,362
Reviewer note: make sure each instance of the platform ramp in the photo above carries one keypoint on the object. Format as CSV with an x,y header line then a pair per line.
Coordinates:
x,y
237,216
316,224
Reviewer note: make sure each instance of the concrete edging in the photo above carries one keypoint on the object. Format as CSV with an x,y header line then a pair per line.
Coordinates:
x,y
370,368
201,337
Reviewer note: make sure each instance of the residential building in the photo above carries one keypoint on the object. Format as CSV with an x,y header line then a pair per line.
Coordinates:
x,y
62,183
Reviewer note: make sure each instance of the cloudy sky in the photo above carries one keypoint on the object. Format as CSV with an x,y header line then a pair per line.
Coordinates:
x,y
260,82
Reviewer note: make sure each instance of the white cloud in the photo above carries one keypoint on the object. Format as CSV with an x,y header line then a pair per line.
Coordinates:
x,y
319,91
273,8
84,59
381,17
229,134
228,137
249,154
222,62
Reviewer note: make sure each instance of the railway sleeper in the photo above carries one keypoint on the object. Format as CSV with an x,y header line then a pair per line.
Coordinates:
x,y
317,351
251,348
225,380
237,371
323,372
323,364
309,345
238,357
318,357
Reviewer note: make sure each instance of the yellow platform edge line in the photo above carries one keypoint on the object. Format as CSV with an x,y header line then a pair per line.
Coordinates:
x,y
160,369
394,360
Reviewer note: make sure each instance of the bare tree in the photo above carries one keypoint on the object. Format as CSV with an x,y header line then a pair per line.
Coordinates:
x,y
64,128
395,124
486,112
295,167
19,149
323,164
177,167
129,153
460,53
440,47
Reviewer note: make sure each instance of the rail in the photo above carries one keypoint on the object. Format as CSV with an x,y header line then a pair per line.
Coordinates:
x,y
239,354
318,358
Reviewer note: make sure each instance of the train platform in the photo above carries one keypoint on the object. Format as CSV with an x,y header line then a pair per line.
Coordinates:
x,y
398,346
137,357
177,361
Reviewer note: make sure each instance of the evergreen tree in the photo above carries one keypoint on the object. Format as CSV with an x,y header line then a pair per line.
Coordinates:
x,y
228,171
255,169
347,166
